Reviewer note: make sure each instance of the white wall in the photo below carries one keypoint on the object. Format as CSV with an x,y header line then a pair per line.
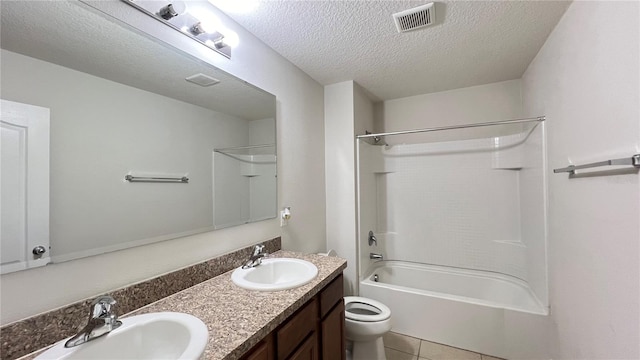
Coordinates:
x,y
476,104
300,185
585,79
348,112
339,127
262,132
364,110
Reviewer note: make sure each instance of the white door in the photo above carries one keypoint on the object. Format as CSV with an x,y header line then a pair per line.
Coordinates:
x,y
24,183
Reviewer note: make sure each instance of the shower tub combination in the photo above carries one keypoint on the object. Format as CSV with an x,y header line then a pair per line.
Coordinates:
x,y
461,219
469,309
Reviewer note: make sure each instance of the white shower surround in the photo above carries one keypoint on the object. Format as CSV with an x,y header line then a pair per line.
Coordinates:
x,y
475,204
466,222
447,203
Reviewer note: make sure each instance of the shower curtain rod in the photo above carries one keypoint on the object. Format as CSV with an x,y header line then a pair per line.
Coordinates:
x,y
514,121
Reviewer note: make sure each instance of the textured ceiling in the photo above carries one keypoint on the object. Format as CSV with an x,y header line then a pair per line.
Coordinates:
x,y
471,43
67,34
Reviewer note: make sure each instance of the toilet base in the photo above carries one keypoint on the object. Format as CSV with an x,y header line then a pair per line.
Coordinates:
x,y
368,350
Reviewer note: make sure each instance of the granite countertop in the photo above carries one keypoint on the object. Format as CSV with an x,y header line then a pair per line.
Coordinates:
x,y
237,318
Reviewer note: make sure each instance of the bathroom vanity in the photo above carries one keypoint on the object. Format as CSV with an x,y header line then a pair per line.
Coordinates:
x,y
316,331
306,322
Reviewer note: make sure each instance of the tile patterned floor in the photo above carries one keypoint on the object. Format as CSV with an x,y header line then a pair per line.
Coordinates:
x,y
402,347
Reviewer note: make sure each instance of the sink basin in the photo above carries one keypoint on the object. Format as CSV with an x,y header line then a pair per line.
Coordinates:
x,y
164,335
275,274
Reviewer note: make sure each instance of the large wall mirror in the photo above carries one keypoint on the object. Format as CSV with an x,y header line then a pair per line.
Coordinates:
x,y
120,104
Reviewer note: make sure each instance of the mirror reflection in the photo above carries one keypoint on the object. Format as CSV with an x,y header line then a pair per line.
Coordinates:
x,y
123,104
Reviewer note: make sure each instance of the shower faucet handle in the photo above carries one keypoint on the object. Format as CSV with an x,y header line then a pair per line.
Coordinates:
x,y
372,239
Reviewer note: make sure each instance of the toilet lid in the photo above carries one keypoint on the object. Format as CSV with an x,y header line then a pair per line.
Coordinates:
x,y
364,309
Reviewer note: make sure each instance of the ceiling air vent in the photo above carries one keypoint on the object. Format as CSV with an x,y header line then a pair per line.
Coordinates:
x,y
202,80
418,17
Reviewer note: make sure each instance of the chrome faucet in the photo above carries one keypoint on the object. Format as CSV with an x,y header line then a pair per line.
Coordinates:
x,y
256,258
372,239
374,256
101,321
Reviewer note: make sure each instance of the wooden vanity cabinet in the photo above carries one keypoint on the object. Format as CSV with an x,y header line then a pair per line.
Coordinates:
x,y
331,321
296,329
332,334
308,350
314,332
262,351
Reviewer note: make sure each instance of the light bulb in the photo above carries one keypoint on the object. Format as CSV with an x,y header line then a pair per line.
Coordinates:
x,y
208,26
231,38
209,23
202,28
179,6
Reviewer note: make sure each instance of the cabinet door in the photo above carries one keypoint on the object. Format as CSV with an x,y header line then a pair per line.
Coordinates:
x,y
332,334
331,295
263,351
308,350
296,329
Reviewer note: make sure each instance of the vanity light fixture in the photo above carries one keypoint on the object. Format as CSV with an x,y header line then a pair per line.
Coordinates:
x,y
171,10
176,15
197,29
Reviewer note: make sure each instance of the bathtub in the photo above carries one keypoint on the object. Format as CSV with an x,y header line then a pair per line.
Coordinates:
x,y
469,309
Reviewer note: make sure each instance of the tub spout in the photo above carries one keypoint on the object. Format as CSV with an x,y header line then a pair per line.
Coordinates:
x,y
374,256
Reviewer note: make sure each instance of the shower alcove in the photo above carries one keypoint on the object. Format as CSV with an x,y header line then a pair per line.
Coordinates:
x,y
459,215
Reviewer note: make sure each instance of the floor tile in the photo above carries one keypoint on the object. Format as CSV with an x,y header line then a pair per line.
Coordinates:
x,y
402,343
398,355
434,351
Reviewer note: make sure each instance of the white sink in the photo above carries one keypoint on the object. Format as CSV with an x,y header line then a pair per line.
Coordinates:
x,y
275,274
164,335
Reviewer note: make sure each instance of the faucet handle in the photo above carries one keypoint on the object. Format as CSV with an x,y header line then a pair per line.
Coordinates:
x,y
372,239
101,306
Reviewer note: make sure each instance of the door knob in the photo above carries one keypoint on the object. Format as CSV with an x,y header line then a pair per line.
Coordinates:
x,y
39,250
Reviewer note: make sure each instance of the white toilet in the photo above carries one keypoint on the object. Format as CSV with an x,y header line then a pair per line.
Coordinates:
x,y
366,321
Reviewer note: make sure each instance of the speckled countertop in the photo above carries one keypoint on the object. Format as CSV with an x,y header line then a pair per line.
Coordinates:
x,y
237,318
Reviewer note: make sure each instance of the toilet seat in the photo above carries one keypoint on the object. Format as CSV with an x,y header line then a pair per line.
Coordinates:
x,y
363,309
